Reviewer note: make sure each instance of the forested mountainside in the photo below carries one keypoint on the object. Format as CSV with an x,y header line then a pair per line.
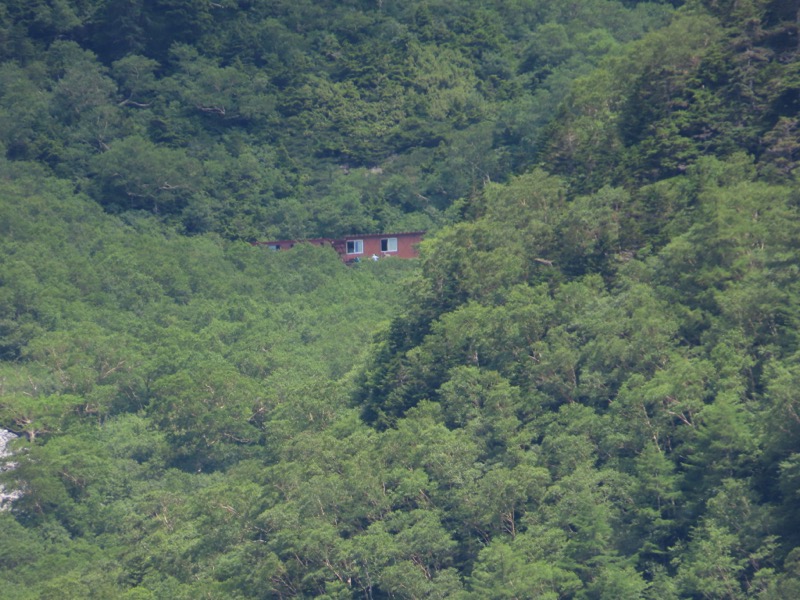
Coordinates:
x,y
584,388
294,118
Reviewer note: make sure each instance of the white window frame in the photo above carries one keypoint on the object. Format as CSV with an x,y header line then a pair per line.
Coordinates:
x,y
391,244
358,246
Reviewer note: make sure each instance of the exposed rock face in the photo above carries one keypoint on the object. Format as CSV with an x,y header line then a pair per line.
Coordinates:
x,y
5,465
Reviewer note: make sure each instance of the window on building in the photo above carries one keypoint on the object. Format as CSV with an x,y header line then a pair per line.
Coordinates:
x,y
389,245
355,246
274,246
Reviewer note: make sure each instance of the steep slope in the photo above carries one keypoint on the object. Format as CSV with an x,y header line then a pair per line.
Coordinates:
x,y
616,359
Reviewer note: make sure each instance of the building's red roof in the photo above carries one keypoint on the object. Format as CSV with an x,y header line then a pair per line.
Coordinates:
x,y
371,235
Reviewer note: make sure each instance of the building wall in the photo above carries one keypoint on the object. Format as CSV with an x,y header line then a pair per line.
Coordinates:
x,y
371,245
406,245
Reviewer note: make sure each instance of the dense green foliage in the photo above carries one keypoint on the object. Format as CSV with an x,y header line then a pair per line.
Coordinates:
x,y
290,118
585,388
146,368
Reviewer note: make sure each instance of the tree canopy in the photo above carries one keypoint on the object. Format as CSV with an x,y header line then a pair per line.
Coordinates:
x,y
584,388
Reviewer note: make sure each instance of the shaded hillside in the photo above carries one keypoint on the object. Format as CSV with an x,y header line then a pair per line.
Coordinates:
x,y
722,78
290,119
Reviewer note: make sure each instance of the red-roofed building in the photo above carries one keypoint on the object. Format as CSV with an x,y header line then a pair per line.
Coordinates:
x,y
353,248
